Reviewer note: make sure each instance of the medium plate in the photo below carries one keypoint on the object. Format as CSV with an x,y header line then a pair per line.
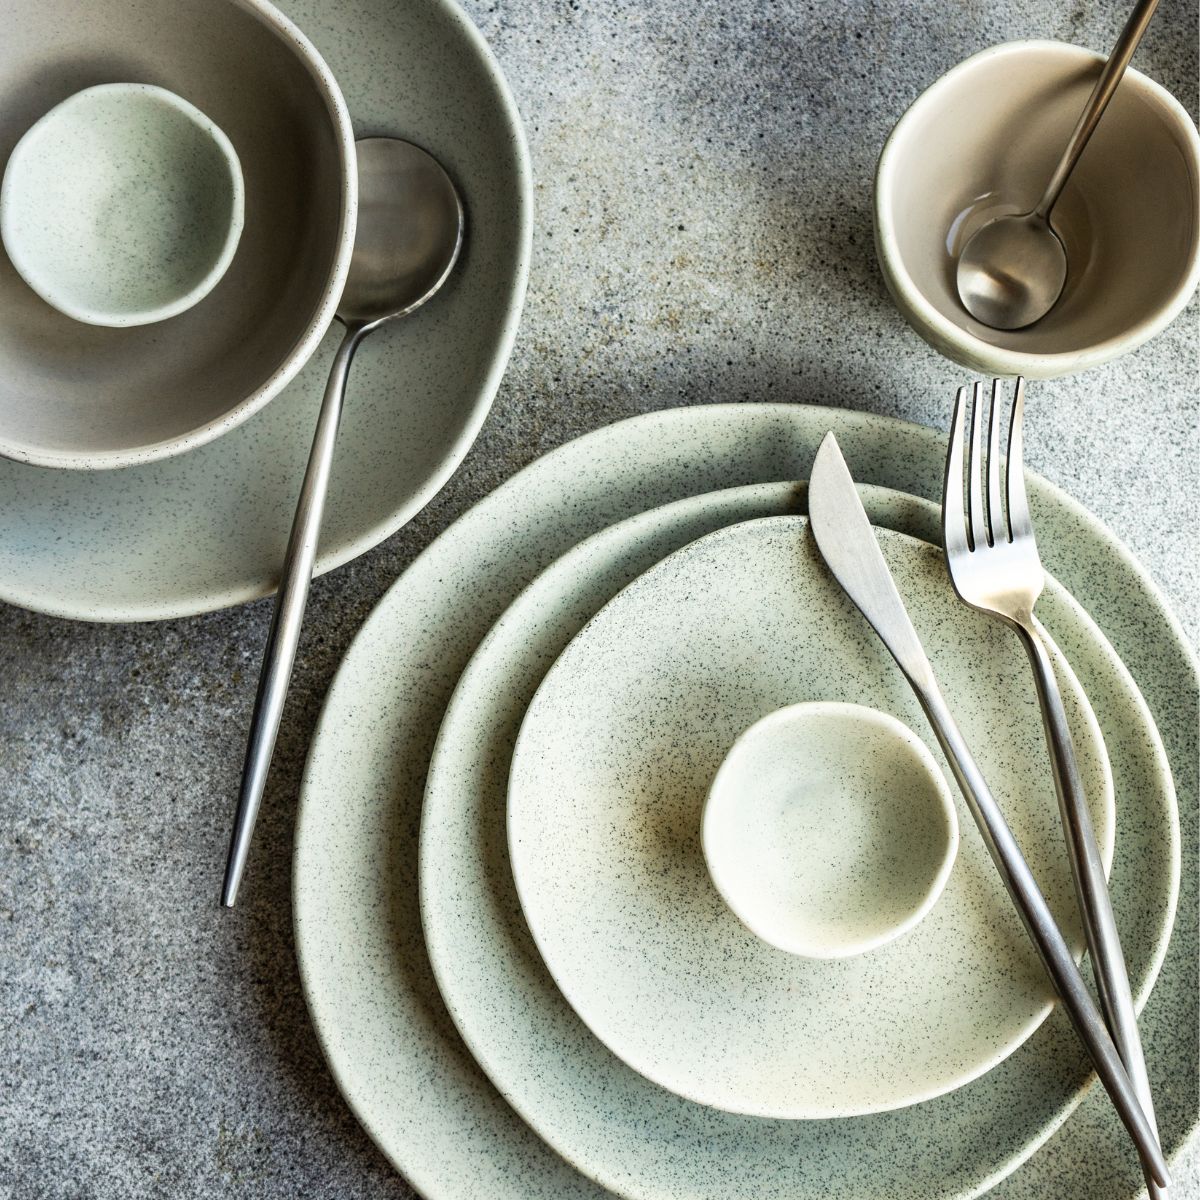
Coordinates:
x,y
609,777
389,1041
604,1117
208,528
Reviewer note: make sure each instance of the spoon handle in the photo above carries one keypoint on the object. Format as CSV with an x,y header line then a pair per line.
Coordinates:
x,y
290,600
1102,93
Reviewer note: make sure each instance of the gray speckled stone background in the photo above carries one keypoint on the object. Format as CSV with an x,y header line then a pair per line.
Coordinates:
x,y
703,233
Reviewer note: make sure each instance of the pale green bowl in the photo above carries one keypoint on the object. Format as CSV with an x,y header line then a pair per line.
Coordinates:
x,y
123,205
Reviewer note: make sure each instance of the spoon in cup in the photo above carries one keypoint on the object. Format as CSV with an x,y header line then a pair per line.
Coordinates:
x,y
410,232
1012,270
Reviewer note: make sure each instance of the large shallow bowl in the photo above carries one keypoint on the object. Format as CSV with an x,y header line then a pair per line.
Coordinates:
x,y
983,140
79,396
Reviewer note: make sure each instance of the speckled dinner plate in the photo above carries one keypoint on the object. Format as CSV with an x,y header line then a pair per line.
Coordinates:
x,y
208,528
609,777
389,1040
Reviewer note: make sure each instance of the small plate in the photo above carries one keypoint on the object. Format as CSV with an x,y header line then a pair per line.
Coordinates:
x,y
208,528
608,782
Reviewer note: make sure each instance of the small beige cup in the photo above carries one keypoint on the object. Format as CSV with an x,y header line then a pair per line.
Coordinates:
x,y
983,140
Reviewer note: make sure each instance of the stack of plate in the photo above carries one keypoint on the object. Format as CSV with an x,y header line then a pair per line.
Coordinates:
x,y
589,640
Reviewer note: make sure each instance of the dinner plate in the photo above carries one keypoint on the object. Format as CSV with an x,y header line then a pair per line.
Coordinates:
x,y
389,1041
208,528
612,1123
609,777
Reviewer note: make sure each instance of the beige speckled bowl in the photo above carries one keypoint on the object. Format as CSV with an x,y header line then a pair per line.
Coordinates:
x,y
122,206
829,829
984,140
83,396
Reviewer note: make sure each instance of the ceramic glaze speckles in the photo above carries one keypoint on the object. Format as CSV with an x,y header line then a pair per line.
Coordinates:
x,y
363,960
123,205
829,829
608,782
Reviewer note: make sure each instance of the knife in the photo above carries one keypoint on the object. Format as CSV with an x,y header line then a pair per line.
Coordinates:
x,y
848,545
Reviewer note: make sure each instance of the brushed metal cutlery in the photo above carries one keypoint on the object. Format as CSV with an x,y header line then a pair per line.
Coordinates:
x,y
1012,271
410,232
994,565
848,545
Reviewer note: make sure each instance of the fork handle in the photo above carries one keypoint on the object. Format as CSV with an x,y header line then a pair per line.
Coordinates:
x,y
1087,868
1043,929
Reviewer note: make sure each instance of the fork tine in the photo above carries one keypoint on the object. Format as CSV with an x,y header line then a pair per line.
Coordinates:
x,y
976,522
996,527
954,522
1019,522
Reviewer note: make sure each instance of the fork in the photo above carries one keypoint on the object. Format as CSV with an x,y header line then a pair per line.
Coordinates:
x,y
994,565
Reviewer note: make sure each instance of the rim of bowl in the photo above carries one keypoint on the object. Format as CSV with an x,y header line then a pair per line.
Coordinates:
x,y
863,713
217,268
999,359
302,350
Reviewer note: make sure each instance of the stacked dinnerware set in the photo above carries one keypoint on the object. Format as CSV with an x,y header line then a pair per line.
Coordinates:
x,y
723,807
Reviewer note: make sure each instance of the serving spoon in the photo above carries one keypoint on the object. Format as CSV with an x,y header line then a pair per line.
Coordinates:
x,y
1012,270
408,238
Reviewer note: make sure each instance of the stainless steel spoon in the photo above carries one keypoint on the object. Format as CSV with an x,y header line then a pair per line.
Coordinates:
x,y
1012,270
409,234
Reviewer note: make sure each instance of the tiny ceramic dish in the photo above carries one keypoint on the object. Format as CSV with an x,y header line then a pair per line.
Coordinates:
x,y
123,205
829,829
85,396
982,142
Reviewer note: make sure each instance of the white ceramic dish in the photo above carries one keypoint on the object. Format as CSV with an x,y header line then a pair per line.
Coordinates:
x,y
123,205
208,529
829,829
362,955
608,781
82,397
984,140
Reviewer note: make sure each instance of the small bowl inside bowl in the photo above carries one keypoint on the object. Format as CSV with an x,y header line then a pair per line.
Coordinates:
x,y
981,142
123,205
85,397
829,829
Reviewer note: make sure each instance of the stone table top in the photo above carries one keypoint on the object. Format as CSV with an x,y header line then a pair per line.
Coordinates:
x,y
703,233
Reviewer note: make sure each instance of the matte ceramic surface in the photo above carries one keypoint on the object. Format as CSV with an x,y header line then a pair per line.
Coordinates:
x,y
123,205
208,529
78,396
982,142
601,1115
606,792
829,829
362,955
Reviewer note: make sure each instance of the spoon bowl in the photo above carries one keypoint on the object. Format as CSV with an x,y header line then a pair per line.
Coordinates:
x,y
1012,271
981,143
409,234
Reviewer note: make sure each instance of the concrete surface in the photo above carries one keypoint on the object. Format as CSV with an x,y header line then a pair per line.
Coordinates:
x,y
703,233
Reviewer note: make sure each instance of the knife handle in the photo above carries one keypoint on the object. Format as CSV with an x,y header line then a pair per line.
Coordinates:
x,y
1043,929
